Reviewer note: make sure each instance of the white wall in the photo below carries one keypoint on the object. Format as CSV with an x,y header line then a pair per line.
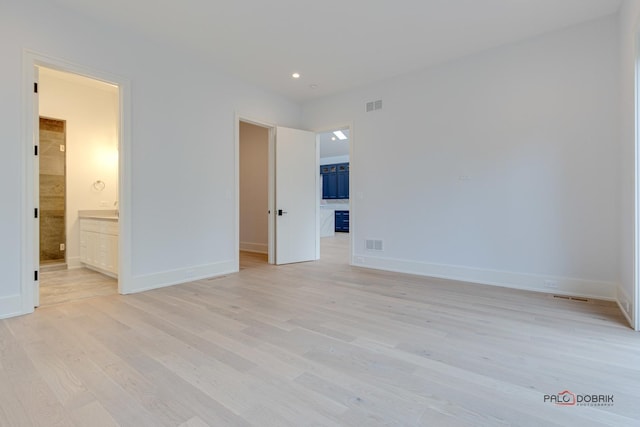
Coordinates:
x,y
498,168
629,24
254,188
182,149
334,159
91,114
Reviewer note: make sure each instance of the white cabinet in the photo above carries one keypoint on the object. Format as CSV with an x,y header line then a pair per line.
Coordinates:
x,y
99,245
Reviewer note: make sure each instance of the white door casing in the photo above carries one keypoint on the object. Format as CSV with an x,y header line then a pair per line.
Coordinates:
x,y
36,188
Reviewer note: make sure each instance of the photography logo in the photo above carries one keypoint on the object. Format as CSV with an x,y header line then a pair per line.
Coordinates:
x,y
567,398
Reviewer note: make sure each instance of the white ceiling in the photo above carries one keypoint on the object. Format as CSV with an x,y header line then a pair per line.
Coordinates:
x,y
337,44
330,148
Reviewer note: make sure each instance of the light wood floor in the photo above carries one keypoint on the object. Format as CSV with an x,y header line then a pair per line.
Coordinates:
x,y
60,286
316,344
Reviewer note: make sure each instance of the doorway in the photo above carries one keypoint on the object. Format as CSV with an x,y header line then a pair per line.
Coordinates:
x,y
292,191
254,194
335,195
78,187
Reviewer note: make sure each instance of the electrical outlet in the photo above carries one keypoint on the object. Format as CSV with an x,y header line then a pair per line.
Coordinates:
x,y
551,284
62,246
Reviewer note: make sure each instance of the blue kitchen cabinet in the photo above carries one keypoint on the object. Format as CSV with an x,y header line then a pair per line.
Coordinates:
x,y
342,221
342,181
329,181
335,181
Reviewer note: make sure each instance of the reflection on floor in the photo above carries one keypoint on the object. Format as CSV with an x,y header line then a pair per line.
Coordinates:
x,y
69,285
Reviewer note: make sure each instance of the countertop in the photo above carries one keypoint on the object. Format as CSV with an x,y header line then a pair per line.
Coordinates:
x,y
107,215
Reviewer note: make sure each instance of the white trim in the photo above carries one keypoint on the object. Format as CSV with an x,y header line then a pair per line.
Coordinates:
x,y
259,248
181,275
10,306
622,299
507,279
635,314
32,59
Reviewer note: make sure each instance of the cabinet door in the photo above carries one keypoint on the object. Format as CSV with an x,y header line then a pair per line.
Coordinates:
x,y
330,183
83,246
325,186
345,221
342,186
92,248
111,256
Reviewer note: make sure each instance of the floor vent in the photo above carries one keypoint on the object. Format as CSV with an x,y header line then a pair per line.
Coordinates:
x,y
571,298
373,245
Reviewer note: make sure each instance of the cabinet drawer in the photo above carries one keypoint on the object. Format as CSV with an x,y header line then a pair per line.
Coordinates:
x,y
99,226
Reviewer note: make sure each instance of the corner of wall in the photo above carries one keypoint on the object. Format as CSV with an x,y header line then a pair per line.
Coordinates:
x,y
625,303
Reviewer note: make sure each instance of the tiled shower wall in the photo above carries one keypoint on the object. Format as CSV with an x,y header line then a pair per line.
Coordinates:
x,y
52,189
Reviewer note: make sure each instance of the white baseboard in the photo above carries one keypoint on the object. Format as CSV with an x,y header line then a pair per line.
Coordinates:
x,y
73,263
183,275
261,248
10,306
507,279
625,304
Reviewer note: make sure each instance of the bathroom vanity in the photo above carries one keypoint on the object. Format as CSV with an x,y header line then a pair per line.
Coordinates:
x,y
99,241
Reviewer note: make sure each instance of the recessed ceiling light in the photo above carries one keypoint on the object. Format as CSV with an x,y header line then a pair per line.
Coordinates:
x,y
333,138
295,75
341,136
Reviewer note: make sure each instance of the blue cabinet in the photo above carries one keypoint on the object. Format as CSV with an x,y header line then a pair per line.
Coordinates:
x,y
335,181
342,181
329,181
342,221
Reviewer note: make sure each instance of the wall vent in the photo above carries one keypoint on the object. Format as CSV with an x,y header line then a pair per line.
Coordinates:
x,y
373,245
374,105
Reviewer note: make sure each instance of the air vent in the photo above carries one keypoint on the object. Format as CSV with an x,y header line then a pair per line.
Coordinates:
x,y
373,245
571,298
374,105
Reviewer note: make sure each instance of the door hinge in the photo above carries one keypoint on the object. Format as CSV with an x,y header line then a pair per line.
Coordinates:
x,y
35,213
35,150
35,275
35,87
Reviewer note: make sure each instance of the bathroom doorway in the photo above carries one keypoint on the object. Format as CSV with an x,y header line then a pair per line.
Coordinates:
x,y
78,187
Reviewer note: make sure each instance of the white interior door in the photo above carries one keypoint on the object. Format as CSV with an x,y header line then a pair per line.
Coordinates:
x,y
296,196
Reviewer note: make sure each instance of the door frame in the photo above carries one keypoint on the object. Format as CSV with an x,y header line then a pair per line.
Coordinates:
x,y
29,263
271,239
353,195
271,160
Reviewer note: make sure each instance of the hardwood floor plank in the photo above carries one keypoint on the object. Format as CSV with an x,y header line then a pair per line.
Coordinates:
x,y
319,343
